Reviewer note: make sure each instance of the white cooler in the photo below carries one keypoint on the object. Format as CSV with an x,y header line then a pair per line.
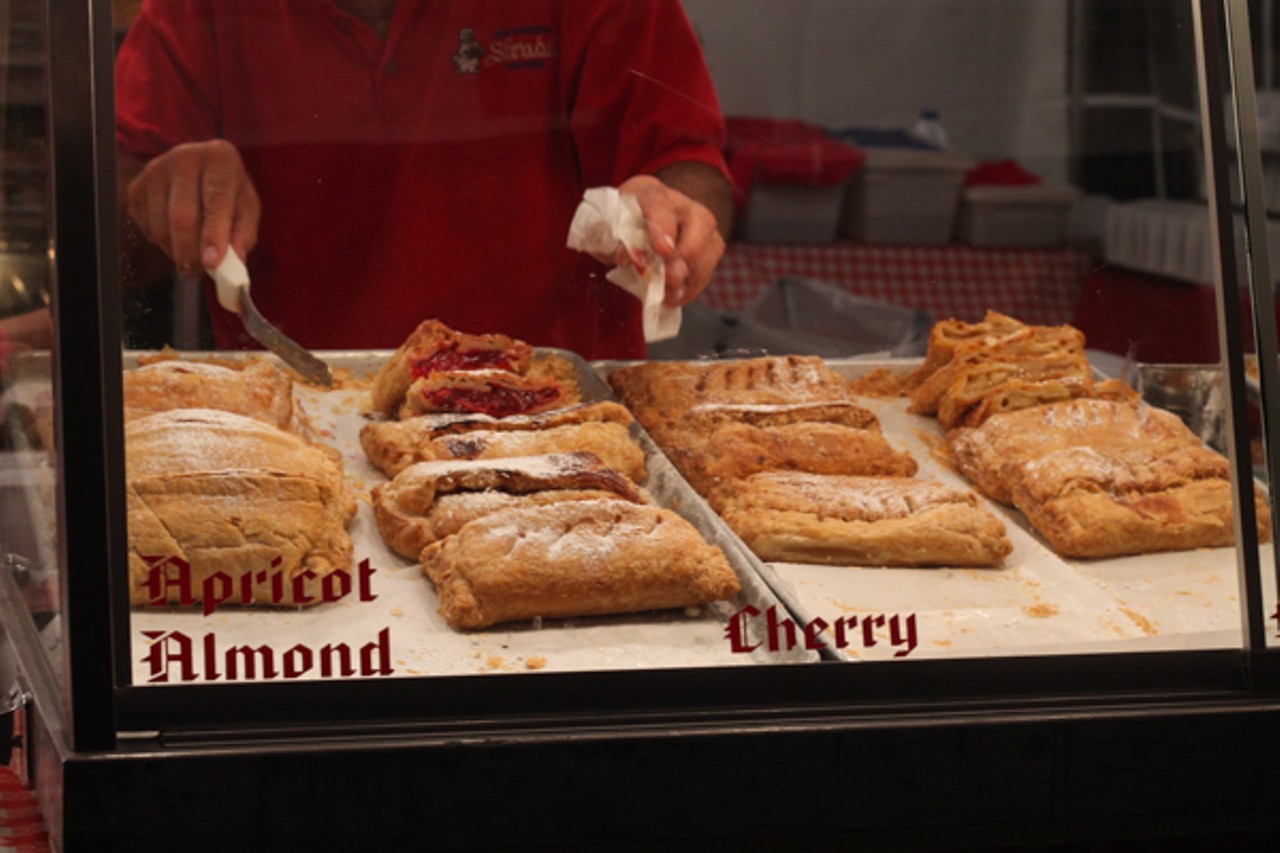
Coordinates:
x,y
904,196
1016,216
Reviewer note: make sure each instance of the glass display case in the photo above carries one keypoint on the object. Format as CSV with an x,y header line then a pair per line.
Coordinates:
x,y
370,472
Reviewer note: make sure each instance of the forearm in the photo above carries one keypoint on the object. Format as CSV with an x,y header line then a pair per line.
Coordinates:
x,y
32,329
705,185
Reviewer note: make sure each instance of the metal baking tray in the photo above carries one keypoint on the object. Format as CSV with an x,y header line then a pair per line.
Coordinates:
x,y
1038,603
420,642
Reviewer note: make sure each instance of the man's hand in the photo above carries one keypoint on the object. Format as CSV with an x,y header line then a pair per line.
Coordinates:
x,y
683,230
195,200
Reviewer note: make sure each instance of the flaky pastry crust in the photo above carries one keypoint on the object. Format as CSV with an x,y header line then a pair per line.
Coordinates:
x,y
575,558
434,347
732,451
602,429
258,390
430,500
1099,478
867,521
230,494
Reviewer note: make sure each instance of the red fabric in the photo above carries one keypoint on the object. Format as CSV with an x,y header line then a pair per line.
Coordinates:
x,y
1034,285
22,826
785,151
1000,173
6,350
1158,320
396,184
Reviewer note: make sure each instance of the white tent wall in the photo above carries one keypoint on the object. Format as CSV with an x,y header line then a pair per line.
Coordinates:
x,y
997,70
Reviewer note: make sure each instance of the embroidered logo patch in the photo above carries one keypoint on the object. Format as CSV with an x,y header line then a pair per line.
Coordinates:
x,y
515,48
470,53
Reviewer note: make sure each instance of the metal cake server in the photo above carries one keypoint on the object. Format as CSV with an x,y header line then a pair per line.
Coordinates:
x,y
232,278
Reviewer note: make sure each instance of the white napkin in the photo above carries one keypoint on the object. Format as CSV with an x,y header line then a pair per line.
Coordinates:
x,y
605,220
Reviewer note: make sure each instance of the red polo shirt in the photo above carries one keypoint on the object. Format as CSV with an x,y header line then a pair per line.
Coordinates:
x,y
433,174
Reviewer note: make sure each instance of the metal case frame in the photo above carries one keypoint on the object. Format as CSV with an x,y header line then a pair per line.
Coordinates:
x,y
114,741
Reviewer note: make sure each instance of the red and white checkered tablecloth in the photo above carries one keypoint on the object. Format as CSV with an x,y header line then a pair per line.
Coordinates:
x,y
1039,286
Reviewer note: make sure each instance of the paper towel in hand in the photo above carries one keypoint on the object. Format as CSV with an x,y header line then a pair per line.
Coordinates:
x,y
607,220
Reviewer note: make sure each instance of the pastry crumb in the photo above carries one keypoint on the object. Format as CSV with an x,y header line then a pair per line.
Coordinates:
x,y
535,662
1041,611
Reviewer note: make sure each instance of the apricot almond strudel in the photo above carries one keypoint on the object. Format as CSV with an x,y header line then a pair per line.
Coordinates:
x,y
232,495
574,558
258,390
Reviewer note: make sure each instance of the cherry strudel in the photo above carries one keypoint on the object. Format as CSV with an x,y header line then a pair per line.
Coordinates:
x,y
862,521
1100,478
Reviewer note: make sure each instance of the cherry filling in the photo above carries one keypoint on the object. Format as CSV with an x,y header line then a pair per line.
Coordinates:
x,y
492,401
454,359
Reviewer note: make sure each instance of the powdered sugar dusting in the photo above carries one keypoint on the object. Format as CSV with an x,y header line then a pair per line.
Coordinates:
x,y
862,498
586,532
544,465
202,438
194,368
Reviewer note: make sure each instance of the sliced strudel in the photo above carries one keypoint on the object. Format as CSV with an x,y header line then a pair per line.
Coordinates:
x,y
430,500
599,428
435,348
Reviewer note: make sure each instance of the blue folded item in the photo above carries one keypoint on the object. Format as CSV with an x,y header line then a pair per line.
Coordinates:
x,y
870,137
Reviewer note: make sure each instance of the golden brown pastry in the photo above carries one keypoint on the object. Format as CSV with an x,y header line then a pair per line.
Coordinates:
x,y
867,521
611,442
720,423
706,416
947,336
661,391
445,423
1015,394
1032,352
1089,504
229,494
575,558
1099,478
439,369
1002,379
434,347
993,455
732,451
491,392
600,429
430,500
259,390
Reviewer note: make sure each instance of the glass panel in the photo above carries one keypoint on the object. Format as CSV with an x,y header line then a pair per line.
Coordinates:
x,y
1260,125
28,508
383,170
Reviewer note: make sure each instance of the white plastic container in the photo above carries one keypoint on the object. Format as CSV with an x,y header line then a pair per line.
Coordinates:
x,y
904,196
1033,216
792,213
